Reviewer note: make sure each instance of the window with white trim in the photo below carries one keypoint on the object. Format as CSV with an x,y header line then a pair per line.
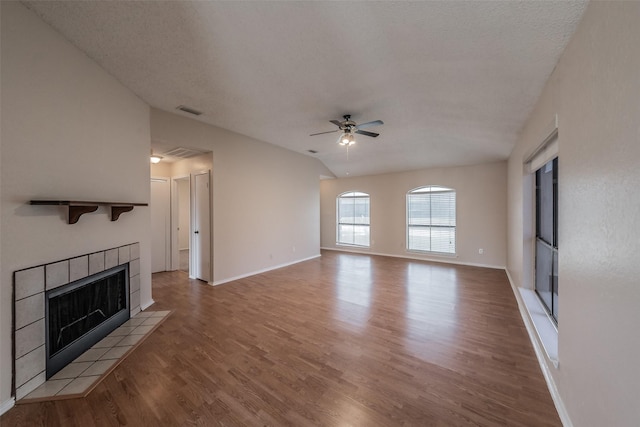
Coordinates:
x,y
353,219
431,219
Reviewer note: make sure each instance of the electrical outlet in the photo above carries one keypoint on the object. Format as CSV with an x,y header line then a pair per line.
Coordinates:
x,y
480,251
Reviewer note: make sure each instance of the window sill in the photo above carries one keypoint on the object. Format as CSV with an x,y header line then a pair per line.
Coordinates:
x,y
436,254
544,326
347,245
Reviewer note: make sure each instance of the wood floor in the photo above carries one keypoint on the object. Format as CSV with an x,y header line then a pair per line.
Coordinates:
x,y
342,340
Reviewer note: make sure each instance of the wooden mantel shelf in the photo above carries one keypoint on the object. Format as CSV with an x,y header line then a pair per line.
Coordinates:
x,y
79,207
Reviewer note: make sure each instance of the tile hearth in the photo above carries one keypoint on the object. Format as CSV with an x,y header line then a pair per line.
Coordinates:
x,y
80,377
29,299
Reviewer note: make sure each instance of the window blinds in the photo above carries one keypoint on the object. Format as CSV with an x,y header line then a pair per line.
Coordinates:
x,y
353,219
431,220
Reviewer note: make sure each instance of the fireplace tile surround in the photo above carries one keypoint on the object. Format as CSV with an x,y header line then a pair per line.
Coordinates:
x,y
30,286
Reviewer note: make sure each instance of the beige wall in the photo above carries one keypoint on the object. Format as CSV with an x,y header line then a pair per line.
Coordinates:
x,y
266,199
69,130
595,90
480,202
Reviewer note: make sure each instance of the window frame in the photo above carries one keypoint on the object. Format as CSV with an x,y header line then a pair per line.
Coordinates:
x,y
552,310
355,195
409,226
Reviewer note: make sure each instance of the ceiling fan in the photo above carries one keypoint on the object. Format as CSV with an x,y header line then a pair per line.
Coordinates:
x,y
349,127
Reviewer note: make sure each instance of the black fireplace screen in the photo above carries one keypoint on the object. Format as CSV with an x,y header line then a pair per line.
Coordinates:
x,y
82,313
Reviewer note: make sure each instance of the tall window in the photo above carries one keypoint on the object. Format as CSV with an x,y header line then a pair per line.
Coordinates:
x,y
431,219
547,236
353,219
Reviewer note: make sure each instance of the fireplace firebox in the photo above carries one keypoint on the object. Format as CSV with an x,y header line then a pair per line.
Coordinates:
x,y
81,313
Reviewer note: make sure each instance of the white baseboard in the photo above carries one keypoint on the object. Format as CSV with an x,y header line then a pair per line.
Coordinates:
x,y
540,354
446,260
264,270
6,405
147,304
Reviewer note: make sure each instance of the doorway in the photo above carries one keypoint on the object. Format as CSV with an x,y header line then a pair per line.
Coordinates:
x,y
182,231
201,235
191,225
160,224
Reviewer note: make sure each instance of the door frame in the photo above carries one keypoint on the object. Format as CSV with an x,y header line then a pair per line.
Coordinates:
x,y
192,251
175,224
175,253
168,233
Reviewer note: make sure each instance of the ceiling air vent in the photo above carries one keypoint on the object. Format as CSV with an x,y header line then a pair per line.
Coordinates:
x,y
183,153
189,110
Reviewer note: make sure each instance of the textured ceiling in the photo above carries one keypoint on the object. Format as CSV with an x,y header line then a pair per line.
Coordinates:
x,y
453,81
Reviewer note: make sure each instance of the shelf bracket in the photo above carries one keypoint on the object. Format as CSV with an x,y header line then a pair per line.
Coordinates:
x,y
75,212
116,211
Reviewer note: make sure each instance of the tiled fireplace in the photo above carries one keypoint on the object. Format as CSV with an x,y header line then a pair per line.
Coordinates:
x,y
30,288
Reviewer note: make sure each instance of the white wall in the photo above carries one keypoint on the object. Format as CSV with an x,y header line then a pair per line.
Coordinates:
x,y
595,90
69,130
480,201
265,199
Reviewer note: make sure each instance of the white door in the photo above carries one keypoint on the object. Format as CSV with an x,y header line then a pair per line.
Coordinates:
x,y
201,227
160,223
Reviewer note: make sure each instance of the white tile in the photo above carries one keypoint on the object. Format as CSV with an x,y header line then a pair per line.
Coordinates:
x,y
152,321
30,385
99,367
110,258
72,370
162,313
134,284
30,309
29,282
30,365
123,255
78,268
134,267
122,331
78,386
130,340
134,299
143,329
29,338
134,321
116,352
56,274
108,342
48,389
135,251
96,263
145,314
91,355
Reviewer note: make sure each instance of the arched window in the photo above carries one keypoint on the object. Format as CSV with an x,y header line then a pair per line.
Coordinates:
x,y
431,219
353,219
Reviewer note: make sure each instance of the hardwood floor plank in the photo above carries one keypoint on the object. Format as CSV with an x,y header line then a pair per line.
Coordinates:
x,y
345,339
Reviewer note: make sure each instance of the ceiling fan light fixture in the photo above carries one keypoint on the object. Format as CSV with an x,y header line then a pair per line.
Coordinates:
x,y
346,139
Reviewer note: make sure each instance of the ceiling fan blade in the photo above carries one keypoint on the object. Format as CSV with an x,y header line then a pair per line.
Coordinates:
x,y
369,124
336,122
364,132
321,133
